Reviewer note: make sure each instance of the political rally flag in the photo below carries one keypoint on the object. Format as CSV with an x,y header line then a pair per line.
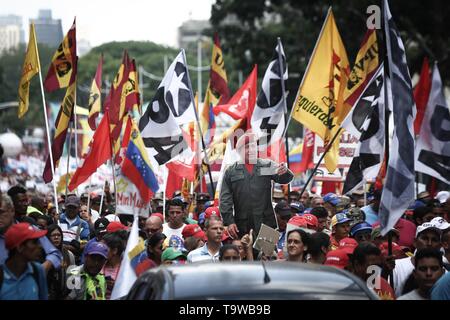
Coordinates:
x,y
95,96
319,105
30,68
62,70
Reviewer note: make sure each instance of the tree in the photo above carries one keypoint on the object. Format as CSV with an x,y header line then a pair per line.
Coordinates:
x,y
249,29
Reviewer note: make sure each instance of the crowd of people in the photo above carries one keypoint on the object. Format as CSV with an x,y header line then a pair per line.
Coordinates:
x,y
41,250
76,252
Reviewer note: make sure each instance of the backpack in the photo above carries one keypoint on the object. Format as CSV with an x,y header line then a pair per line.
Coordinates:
x,y
35,275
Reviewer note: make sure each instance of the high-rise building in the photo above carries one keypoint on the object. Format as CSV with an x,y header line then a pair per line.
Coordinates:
x,y
11,32
191,31
48,30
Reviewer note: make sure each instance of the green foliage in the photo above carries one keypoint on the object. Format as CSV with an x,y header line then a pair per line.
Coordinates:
x,y
249,29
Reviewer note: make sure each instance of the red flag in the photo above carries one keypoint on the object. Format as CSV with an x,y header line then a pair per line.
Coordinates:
x,y
421,94
242,103
174,183
61,71
307,152
99,152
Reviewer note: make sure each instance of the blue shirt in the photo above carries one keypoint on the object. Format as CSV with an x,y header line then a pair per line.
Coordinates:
x,y
70,231
371,215
441,289
51,253
202,254
24,287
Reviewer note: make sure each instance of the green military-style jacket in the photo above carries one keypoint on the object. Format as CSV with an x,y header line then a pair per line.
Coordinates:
x,y
250,196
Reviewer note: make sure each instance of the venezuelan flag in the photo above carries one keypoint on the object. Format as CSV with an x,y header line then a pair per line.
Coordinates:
x,y
136,165
207,120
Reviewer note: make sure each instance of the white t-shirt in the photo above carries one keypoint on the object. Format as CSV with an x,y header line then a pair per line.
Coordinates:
x,y
403,269
413,295
168,231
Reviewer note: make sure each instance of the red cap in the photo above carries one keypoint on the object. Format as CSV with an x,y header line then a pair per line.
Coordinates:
x,y
337,258
21,232
159,215
311,220
298,221
396,249
212,211
193,230
115,226
348,245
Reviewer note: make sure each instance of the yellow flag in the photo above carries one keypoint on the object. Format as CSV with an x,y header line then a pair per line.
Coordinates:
x,y
319,104
29,69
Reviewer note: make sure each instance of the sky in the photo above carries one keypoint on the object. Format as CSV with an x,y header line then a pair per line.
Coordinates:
x,y
100,21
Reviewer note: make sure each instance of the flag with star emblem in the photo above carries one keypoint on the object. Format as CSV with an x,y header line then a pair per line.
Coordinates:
x,y
171,107
268,116
136,165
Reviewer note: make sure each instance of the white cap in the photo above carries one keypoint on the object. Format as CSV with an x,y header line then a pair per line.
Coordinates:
x,y
437,223
442,196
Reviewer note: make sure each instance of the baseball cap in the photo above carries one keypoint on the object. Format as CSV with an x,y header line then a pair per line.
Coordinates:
x,y
203,197
298,221
337,258
440,223
423,195
283,209
172,254
360,227
311,220
297,206
101,224
97,248
159,215
19,233
193,230
115,226
212,211
339,218
72,200
442,196
348,245
331,198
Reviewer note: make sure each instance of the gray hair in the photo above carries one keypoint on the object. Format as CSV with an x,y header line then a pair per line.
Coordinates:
x,y
6,201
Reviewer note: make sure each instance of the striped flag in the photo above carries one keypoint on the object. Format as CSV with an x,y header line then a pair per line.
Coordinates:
x,y
218,82
136,165
95,96
63,66
127,274
398,191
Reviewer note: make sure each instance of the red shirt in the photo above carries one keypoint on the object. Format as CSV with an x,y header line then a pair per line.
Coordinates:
x,y
385,292
144,266
249,167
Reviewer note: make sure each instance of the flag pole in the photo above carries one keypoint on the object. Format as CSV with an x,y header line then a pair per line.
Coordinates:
x,y
213,189
283,94
386,68
327,148
101,199
89,194
68,159
48,132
